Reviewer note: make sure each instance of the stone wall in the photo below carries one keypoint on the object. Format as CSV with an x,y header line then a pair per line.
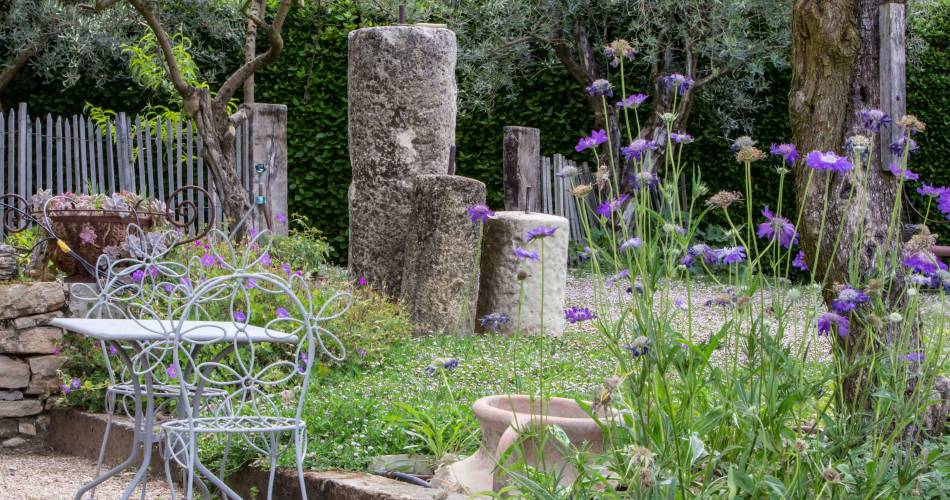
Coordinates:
x,y
29,357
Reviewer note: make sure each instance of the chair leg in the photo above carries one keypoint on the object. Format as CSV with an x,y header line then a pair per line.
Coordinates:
x,y
300,449
273,466
168,467
110,410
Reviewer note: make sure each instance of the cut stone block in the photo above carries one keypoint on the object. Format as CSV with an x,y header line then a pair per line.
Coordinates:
x,y
14,373
36,340
11,395
24,322
26,299
440,278
44,370
22,408
499,285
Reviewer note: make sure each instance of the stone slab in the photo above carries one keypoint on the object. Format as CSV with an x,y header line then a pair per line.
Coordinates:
x,y
24,322
22,408
44,374
36,340
14,374
26,299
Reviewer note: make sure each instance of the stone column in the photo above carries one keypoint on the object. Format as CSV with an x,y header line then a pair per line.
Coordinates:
x,y
440,279
402,106
521,161
500,286
268,132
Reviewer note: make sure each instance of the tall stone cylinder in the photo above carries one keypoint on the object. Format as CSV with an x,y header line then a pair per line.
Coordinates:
x,y
500,287
402,107
440,280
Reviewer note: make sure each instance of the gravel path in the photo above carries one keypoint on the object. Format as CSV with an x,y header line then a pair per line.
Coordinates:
x,y
48,475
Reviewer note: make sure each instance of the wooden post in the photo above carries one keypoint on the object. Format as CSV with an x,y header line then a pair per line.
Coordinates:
x,y
268,146
521,162
892,71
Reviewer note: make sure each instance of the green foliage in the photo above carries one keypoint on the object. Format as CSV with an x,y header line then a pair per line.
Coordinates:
x,y
304,248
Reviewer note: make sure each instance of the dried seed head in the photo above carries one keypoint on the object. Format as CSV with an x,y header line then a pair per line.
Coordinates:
x,y
581,190
723,199
801,446
743,301
875,321
831,475
921,242
749,154
646,478
911,122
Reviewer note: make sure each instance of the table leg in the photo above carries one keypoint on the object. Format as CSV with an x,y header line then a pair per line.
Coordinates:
x,y
143,426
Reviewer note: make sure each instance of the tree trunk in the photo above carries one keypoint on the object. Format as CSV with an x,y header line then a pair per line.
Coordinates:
x,y
14,66
250,49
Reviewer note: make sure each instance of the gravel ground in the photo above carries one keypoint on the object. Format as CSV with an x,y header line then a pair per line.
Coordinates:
x,y
47,475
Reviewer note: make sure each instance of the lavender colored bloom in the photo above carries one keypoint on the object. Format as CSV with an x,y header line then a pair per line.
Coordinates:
x,y
786,151
540,232
282,313
645,179
138,275
639,347
681,137
285,268
361,281
632,101
172,371
240,316
827,320
447,364
596,138
638,148
304,363
608,207
361,352
207,260
904,143
675,81
914,357
799,261
848,299
280,218
902,173
168,287
75,383
250,283
617,277
480,213
65,388
943,204
828,161
730,255
631,243
924,262
265,260
578,314
679,304
777,227
932,191
600,88
525,254
494,321
874,119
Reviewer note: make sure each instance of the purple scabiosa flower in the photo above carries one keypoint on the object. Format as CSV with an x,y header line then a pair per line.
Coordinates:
x,y
539,232
282,313
608,207
681,137
208,260
730,255
285,268
168,287
639,347
280,218
923,261
943,204
75,383
525,254
480,213
632,101
252,232
494,321
240,316
600,88
828,161
303,363
932,191
172,371
777,227
827,320
904,143
914,357
799,261
250,283
679,304
902,173
677,82
596,138
848,299
638,148
138,275
631,243
88,235
645,179
65,389
265,260
874,119
439,364
786,151
361,352
617,277
578,314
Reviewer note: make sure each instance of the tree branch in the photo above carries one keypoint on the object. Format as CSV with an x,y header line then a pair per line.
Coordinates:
x,y
171,64
273,31
15,65
102,5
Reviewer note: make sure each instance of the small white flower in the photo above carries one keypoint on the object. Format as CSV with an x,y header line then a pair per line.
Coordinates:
x,y
895,317
911,292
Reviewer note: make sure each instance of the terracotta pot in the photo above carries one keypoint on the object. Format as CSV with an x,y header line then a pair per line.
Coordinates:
x,y
500,417
110,228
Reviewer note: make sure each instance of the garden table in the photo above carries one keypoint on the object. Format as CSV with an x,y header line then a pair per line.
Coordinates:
x,y
129,338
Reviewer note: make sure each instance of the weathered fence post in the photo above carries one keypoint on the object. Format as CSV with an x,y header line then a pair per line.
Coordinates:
x,y
268,144
521,161
892,70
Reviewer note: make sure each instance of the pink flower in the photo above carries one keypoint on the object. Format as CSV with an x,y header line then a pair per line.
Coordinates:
x,y
87,235
361,281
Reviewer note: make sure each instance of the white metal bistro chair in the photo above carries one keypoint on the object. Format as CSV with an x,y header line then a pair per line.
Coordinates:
x,y
265,328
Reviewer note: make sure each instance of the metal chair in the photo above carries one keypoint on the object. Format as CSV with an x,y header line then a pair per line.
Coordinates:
x,y
266,330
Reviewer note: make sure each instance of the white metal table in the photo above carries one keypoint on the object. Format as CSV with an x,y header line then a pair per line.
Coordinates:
x,y
130,337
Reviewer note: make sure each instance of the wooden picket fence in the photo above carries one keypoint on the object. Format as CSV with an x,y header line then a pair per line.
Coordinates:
x,y
556,197
73,154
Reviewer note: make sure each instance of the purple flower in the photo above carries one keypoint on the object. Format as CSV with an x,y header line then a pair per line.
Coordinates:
x,y
637,148
600,88
681,137
848,299
207,260
799,261
304,363
282,313
447,364
596,138
914,357
168,287
240,316
779,227
361,281
280,218
75,383
874,119
58,349
524,254
943,204
494,321
898,146
730,255
138,275
829,319
113,350
631,243
828,161
88,235
902,173
65,388
266,260
786,151
632,101
675,81
639,347
539,232
924,262
361,352
932,191
172,371
480,213
617,277
645,179
252,232
608,207
578,314
679,304
250,283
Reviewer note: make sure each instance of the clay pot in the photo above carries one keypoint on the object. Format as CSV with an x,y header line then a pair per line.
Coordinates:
x,y
500,418
110,228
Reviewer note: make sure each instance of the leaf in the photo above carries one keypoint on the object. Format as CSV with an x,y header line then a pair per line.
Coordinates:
x,y
697,449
